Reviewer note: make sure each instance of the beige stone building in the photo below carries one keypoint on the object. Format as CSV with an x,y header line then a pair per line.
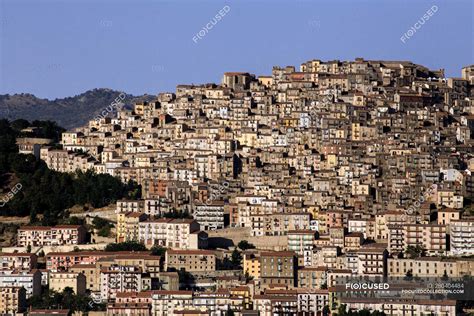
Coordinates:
x,y
431,237
91,273
278,268
58,281
190,260
12,300
430,267
373,259
128,224
403,307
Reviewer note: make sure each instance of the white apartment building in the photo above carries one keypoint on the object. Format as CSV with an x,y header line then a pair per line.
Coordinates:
x,y
17,261
358,226
120,279
312,301
31,281
462,237
302,243
210,216
51,236
167,302
170,233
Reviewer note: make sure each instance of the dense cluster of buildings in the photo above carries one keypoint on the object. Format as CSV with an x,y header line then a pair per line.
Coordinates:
x,y
364,167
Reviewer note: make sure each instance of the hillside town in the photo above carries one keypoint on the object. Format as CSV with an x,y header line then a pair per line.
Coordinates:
x,y
263,195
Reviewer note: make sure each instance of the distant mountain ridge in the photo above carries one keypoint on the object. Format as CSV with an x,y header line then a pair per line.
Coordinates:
x,y
69,112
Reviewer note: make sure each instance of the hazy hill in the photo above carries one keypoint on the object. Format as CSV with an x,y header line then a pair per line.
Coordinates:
x,y
68,112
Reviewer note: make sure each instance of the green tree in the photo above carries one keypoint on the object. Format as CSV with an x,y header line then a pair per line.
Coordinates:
x,y
50,193
341,311
236,258
126,246
244,245
445,276
326,310
414,252
74,220
66,299
158,251
230,312
103,226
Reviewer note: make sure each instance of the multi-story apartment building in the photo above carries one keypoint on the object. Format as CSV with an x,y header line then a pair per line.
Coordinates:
x,y
336,236
431,237
302,243
115,279
210,216
312,301
64,260
37,236
395,238
67,161
353,241
326,256
190,260
251,265
18,261
12,300
92,276
58,281
372,260
30,281
172,233
130,206
400,307
128,224
278,268
131,303
171,302
312,277
461,237
450,199
217,302
430,267
279,302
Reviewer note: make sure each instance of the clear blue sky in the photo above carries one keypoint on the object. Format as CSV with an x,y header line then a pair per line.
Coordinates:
x,y
63,48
